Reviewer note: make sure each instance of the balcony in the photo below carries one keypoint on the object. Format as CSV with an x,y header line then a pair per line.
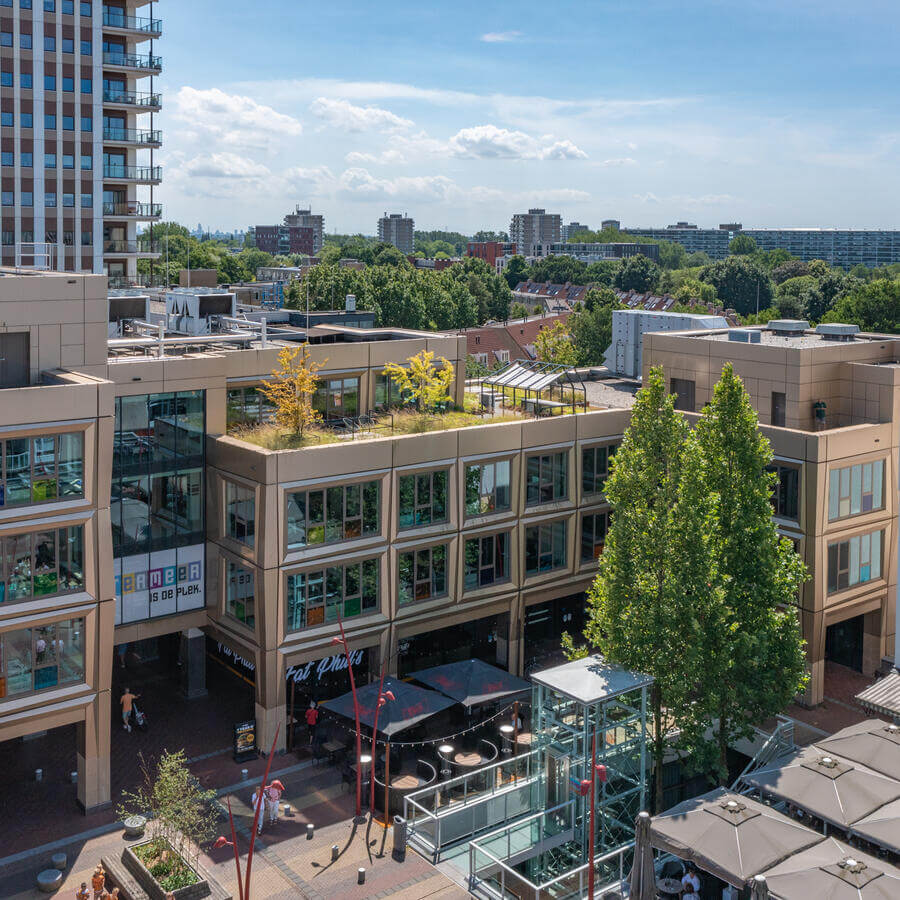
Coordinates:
x,y
139,174
141,25
136,281
150,102
145,61
133,210
132,136
129,248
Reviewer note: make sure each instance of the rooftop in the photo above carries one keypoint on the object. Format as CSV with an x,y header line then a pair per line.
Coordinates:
x,y
806,340
591,680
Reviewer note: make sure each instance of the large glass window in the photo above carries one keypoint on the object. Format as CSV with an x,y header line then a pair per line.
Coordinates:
x,y
240,513
593,534
545,547
423,499
314,598
248,406
786,493
854,490
487,488
41,564
423,574
336,398
340,513
546,478
41,469
388,393
41,658
595,467
240,598
854,561
487,560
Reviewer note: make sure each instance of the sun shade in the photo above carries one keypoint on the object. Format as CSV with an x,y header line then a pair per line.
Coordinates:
x,y
873,744
471,681
883,697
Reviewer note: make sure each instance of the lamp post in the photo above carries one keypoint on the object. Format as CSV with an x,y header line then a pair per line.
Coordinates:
x,y
383,697
342,640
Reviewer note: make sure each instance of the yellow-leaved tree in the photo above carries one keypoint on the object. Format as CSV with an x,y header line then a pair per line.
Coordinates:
x,y
292,387
422,380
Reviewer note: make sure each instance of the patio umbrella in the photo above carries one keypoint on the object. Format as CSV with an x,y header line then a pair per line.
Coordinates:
x,y
729,835
874,744
833,870
827,786
759,888
410,706
471,681
882,827
642,881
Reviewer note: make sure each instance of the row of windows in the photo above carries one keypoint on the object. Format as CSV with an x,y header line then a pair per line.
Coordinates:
x,y
26,120
51,199
41,469
26,160
40,658
8,238
41,564
66,7
26,42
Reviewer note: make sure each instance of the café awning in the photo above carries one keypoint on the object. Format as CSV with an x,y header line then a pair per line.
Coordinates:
x,y
471,681
874,744
729,835
410,706
883,697
882,827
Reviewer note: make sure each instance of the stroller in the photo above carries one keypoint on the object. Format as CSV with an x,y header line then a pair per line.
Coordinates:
x,y
140,718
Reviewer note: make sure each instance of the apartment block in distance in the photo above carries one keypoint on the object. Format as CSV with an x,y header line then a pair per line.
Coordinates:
x,y
534,230
78,137
301,232
491,251
398,230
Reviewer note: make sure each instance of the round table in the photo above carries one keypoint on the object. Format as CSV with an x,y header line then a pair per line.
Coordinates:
x,y
468,759
525,738
669,886
406,781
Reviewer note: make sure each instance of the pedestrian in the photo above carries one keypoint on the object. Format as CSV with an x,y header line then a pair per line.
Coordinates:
x,y
257,804
273,797
312,719
83,893
114,894
127,700
690,884
98,880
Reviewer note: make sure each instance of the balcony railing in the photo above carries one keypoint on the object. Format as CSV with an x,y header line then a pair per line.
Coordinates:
x,y
133,136
114,18
133,60
137,281
141,210
129,247
131,98
134,173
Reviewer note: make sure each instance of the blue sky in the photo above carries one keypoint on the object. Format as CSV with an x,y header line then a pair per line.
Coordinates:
x,y
460,114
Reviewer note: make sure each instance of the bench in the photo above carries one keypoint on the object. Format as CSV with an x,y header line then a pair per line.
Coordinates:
x,y
118,876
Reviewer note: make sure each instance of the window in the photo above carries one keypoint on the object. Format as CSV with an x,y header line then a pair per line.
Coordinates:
x,y
68,7
68,161
7,238
27,120
9,198
41,564
248,406
68,123
7,158
49,121
546,478
49,5
423,574
68,84
27,200
778,408
69,236
86,49
87,238
87,201
27,235
68,45
314,598
329,515
854,490
388,393
86,7
49,82
25,41
43,657
6,119
27,160
6,39
593,534
50,199
41,469
68,199
240,513
487,561
240,598
545,547
27,80
854,561
786,493
6,79
87,86
25,4
423,499
487,488
49,43
336,398
87,162
87,123
595,467
49,160
683,389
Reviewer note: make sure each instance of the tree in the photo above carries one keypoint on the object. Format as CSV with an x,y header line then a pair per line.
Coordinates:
x,y
697,259
591,327
475,369
656,569
292,387
602,272
422,380
518,311
389,255
691,289
639,273
742,245
740,284
753,652
793,268
874,307
516,270
554,345
672,255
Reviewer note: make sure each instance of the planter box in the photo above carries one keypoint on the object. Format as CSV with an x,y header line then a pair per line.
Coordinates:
x,y
154,890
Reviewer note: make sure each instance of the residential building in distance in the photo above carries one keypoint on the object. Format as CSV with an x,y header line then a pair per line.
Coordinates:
x,y
551,298
79,100
301,232
398,230
570,230
498,343
491,251
535,229
430,262
304,218
594,252
611,223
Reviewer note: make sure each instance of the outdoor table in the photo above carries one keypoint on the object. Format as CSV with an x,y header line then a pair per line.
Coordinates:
x,y
331,747
406,781
668,885
525,738
469,760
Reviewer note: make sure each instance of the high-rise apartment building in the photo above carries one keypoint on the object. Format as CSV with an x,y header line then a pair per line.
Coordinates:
x,y
78,103
534,230
397,230
301,232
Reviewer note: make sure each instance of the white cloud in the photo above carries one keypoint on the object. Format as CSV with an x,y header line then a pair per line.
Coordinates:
x,y
500,37
345,115
491,142
224,165
361,184
620,161
385,158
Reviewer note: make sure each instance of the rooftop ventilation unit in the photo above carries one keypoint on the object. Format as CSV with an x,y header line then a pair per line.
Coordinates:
x,y
837,331
744,336
788,327
350,303
195,310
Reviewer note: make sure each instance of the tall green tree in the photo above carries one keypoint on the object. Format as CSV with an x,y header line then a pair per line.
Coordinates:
x,y
639,273
742,245
874,307
751,645
554,345
656,570
739,282
591,327
516,270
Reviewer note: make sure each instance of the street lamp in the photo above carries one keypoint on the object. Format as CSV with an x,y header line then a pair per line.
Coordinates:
x,y
342,640
383,697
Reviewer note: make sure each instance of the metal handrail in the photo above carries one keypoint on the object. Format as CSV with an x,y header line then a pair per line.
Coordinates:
x,y
111,208
133,60
132,136
139,173
133,98
128,247
113,18
780,741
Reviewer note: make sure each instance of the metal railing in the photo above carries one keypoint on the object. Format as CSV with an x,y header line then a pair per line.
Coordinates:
x,y
778,743
129,247
132,136
133,60
114,18
136,281
427,809
134,173
133,98
143,210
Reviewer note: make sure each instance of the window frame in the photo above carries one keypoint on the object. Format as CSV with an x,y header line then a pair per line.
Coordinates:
x,y
41,475
233,570
73,626
12,547
429,576
237,527
596,547
597,479
869,554
487,500
347,516
325,575
492,566
418,506
540,528
838,497
778,467
546,481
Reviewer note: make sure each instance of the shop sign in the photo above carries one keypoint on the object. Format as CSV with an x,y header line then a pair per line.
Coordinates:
x,y
160,583
245,741
235,659
313,671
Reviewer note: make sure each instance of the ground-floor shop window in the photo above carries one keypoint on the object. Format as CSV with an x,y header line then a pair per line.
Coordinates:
x,y
486,639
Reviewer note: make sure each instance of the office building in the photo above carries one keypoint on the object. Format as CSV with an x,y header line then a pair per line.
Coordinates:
x,y
79,105
610,223
301,232
534,230
398,230
569,231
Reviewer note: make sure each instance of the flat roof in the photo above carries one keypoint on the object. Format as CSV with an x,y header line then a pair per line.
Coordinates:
x,y
591,680
806,341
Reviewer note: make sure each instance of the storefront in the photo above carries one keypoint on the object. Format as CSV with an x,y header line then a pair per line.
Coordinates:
x,y
486,639
321,679
544,625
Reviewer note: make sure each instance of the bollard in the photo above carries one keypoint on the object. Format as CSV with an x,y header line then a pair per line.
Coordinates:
x,y
38,774
243,774
287,809
74,777
360,875
310,830
400,831
335,853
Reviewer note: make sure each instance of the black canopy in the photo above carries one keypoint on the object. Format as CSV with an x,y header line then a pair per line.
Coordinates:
x,y
471,681
410,706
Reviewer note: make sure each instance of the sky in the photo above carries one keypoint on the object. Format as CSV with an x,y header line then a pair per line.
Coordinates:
x,y
766,112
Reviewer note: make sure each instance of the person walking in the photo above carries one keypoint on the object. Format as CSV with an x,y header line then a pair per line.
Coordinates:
x,y
273,798
127,700
83,893
257,803
690,884
312,719
98,880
